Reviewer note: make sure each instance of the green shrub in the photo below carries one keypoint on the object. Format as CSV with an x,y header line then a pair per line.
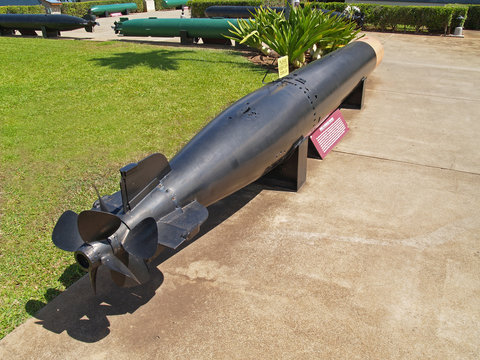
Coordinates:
x,y
275,2
382,17
458,10
158,5
36,9
415,18
81,8
473,18
248,33
334,6
198,7
305,31
438,20
386,17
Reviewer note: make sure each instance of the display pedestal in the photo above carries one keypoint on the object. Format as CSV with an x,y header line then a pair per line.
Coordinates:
x,y
149,5
291,173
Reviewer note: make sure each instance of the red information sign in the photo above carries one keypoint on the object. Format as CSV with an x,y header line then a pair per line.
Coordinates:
x,y
329,133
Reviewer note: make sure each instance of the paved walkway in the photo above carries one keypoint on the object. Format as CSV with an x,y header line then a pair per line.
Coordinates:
x,y
377,256
105,32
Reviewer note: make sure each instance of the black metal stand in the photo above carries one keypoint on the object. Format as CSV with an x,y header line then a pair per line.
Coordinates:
x,y
290,174
312,151
29,32
355,99
49,33
184,38
217,41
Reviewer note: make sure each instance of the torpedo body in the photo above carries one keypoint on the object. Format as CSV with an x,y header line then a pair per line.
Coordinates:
x,y
49,24
106,10
163,204
193,28
169,4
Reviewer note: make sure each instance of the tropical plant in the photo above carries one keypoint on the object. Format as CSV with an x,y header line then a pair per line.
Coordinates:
x,y
247,33
305,30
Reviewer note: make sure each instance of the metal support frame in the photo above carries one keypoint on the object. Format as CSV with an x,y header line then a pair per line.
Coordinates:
x,y
290,174
214,41
312,152
354,100
46,33
185,39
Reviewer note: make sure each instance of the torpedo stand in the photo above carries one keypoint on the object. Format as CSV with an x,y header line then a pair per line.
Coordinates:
x,y
291,174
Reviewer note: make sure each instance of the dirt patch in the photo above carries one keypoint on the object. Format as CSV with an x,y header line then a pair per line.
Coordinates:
x,y
268,62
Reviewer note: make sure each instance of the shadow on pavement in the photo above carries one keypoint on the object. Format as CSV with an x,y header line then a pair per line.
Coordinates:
x,y
85,316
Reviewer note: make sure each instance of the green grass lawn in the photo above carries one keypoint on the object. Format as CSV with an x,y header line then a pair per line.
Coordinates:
x,y
71,114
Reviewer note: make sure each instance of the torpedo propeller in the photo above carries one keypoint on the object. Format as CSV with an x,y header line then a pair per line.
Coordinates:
x,y
99,238
91,23
117,234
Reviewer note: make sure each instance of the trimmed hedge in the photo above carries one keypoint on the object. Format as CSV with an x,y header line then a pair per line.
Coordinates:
x,y
434,19
473,18
198,7
80,8
34,9
458,10
158,5
276,2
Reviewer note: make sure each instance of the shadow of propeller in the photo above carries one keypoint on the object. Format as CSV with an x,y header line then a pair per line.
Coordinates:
x,y
85,316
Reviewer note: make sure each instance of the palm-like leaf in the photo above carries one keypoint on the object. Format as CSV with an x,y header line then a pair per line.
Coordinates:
x,y
294,36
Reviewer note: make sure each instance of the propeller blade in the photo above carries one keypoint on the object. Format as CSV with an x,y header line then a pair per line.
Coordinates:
x,y
65,234
115,264
92,273
142,240
139,268
118,278
136,265
97,225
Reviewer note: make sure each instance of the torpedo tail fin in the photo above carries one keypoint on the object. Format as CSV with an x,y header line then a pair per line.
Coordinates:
x,y
181,224
138,179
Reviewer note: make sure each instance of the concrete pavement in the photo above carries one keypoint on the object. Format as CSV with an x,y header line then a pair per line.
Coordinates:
x,y
377,256
105,32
